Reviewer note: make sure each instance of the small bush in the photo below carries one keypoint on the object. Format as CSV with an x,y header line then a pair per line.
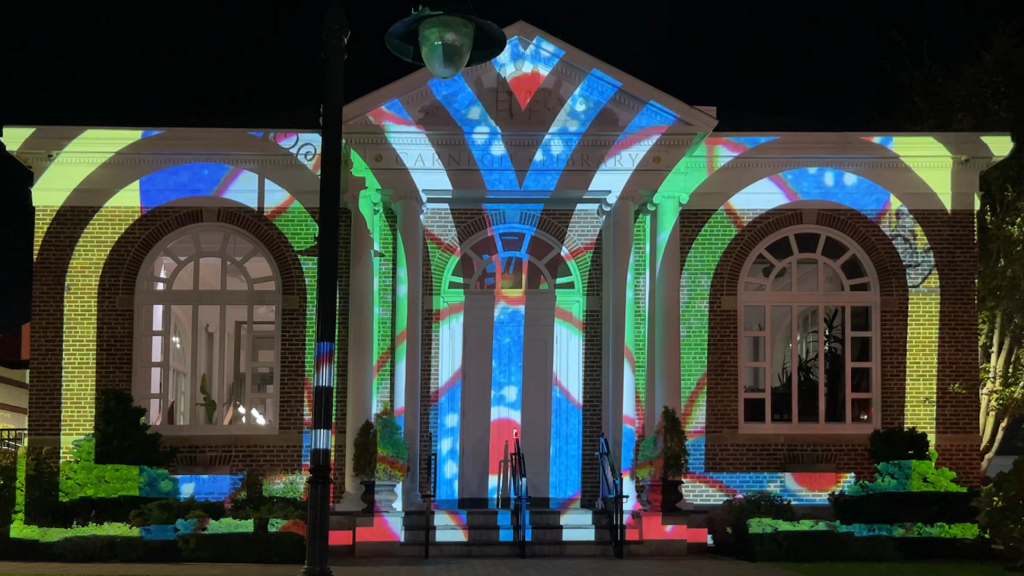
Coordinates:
x,y
740,510
364,457
820,546
123,437
168,512
1002,510
891,444
909,476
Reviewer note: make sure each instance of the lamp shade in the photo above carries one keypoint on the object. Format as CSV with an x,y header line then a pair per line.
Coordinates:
x,y
445,43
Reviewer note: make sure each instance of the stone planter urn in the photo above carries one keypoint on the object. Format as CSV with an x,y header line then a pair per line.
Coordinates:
x,y
368,495
641,496
385,496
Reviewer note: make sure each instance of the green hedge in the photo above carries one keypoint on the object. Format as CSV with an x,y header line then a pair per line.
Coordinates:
x,y
962,531
900,507
283,548
823,546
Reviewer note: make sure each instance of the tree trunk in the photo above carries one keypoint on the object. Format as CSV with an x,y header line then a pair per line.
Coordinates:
x,y
988,455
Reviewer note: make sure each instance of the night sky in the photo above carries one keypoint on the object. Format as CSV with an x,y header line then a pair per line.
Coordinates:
x,y
773,66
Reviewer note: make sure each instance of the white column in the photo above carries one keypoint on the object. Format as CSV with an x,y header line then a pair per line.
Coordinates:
x,y
364,206
664,389
408,205
617,245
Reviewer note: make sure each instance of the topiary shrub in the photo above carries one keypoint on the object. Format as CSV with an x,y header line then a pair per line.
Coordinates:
x,y
122,435
892,444
392,449
1002,510
364,447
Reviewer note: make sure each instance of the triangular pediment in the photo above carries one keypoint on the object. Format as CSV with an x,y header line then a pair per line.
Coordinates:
x,y
538,85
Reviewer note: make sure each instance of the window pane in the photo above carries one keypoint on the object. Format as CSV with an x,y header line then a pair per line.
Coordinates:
x,y
154,416
780,249
862,287
184,279
860,349
753,379
157,346
210,241
183,247
861,408
265,285
761,267
753,287
258,267
261,413
753,318
753,410
853,269
263,380
807,242
239,247
162,267
833,281
156,380
209,273
860,319
860,380
833,249
807,275
782,361
783,279
807,364
236,278
209,404
835,364
179,394
236,366
753,349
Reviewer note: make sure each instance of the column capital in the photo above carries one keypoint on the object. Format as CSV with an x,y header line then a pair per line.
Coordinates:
x,y
634,198
408,198
355,198
662,197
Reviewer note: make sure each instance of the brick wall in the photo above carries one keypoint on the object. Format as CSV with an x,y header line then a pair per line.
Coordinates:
x,y
111,244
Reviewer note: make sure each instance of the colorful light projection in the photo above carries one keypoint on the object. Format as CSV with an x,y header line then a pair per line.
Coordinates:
x,y
822,184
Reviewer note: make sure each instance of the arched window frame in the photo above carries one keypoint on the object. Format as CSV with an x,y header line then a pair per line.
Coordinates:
x,y
151,295
769,301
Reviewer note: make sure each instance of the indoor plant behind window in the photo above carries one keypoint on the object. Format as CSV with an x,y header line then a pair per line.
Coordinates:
x,y
392,459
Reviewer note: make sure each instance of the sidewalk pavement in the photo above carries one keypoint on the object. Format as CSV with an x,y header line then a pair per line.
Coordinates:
x,y
690,566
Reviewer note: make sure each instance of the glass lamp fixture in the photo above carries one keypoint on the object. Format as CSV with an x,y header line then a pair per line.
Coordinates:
x,y
445,43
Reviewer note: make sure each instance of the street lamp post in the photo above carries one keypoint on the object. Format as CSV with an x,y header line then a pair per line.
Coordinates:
x,y
445,43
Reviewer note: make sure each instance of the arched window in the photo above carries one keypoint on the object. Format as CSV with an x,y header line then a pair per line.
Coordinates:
x,y
808,300
207,302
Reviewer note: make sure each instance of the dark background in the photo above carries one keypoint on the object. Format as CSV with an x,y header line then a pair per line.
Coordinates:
x,y
770,66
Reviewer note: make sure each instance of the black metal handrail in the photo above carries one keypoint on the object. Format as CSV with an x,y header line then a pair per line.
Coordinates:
x,y
428,513
612,498
11,439
520,496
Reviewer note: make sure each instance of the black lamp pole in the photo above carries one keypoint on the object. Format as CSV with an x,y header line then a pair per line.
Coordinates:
x,y
335,35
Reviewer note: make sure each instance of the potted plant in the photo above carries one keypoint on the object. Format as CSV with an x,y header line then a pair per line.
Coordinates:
x,y
661,462
392,459
643,468
364,462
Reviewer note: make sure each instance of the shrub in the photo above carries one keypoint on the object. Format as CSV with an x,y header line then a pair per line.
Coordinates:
x,y
891,444
1002,510
820,546
81,477
364,457
168,512
276,548
663,456
392,449
899,507
909,476
8,488
229,526
122,435
157,483
286,486
740,510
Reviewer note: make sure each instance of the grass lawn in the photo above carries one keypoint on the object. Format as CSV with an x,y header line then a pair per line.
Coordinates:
x,y
896,569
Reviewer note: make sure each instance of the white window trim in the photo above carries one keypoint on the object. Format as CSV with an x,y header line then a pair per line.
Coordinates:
x,y
149,296
846,299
